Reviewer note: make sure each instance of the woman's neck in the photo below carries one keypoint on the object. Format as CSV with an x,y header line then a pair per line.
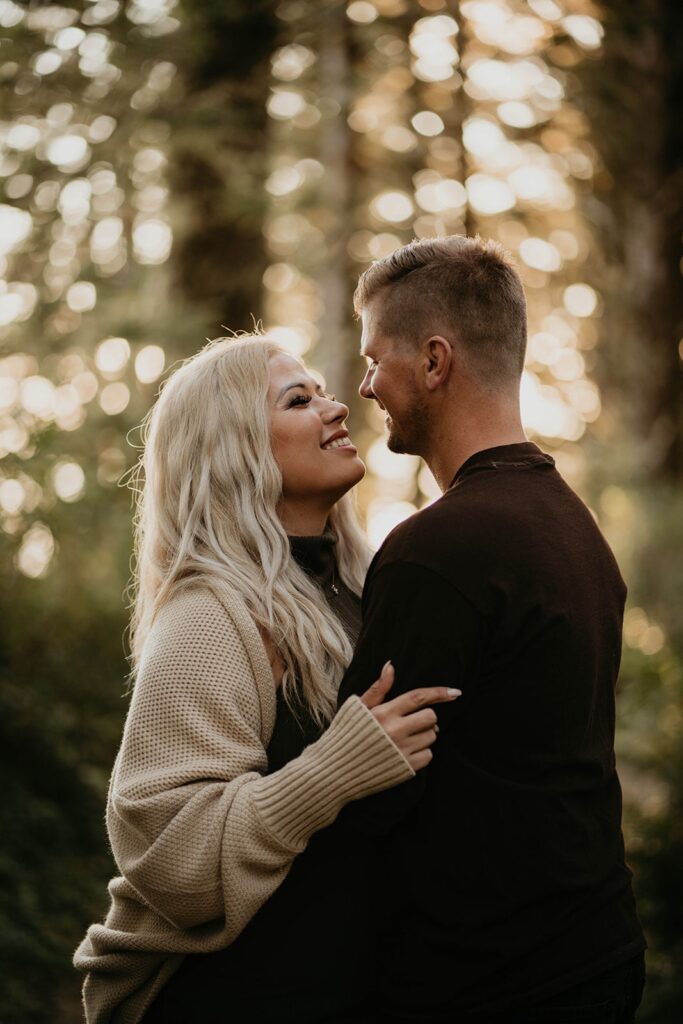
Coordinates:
x,y
300,521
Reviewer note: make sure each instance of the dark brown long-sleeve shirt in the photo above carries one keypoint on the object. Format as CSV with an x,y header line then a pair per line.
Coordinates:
x,y
504,858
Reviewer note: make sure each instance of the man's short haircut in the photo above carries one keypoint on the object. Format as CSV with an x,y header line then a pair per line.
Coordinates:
x,y
467,287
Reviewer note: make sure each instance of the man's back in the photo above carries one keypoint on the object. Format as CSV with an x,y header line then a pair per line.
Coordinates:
x,y
506,852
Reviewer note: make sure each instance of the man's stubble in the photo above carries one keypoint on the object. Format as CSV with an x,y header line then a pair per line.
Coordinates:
x,y
411,435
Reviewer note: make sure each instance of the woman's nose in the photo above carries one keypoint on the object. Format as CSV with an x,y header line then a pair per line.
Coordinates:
x,y
337,410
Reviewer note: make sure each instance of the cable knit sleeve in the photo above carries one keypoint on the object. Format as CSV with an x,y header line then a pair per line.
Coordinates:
x,y
197,827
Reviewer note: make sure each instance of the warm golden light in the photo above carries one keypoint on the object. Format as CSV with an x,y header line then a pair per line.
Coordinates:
x,y
580,299
362,12
389,466
517,114
111,356
68,480
540,254
482,137
394,207
489,195
12,496
81,296
431,42
399,139
68,152
427,123
105,235
38,396
68,409
36,551
114,398
284,104
152,240
284,180
149,363
586,31
383,516
290,62
294,341
15,227
9,393
280,277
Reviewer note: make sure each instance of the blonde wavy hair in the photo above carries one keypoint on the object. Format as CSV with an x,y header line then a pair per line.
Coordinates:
x,y
207,489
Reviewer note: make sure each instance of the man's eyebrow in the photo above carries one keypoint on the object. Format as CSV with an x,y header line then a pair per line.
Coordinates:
x,y
299,384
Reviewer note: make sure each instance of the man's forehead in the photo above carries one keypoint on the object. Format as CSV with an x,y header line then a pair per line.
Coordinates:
x,y
370,336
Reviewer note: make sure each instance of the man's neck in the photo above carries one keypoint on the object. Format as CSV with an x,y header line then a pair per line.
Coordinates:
x,y
457,441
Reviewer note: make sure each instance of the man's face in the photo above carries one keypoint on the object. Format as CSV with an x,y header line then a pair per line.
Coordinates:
x,y
392,380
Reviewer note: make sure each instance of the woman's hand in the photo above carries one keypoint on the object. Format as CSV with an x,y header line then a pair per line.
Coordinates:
x,y
407,720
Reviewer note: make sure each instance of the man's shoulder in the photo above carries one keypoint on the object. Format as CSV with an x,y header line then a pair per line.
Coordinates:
x,y
493,524
451,525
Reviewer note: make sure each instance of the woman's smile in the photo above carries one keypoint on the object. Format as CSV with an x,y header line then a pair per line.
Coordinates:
x,y
304,419
339,440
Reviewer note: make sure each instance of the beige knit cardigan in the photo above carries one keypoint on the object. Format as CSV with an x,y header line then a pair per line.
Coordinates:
x,y
201,835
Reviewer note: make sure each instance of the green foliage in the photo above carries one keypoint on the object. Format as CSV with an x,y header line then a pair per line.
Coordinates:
x,y
61,710
650,744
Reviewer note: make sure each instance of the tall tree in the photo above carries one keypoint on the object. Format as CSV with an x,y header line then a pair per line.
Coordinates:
x,y
632,99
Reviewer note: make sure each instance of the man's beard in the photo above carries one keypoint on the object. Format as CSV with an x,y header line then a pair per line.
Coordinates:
x,y
411,435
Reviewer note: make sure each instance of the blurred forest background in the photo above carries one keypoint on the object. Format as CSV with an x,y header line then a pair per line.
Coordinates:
x,y
172,169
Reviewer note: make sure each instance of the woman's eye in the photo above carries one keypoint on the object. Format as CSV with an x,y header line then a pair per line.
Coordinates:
x,y
299,400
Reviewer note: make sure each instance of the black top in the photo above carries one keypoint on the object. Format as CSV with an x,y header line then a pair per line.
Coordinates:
x,y
300,958
505,856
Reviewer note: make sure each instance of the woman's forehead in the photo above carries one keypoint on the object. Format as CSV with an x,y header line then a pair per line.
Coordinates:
x,y
282,366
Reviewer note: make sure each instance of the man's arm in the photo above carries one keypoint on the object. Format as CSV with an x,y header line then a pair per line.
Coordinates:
x,y
433,636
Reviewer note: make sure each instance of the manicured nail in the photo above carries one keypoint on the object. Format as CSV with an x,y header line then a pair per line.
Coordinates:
x,y
453,693
386,665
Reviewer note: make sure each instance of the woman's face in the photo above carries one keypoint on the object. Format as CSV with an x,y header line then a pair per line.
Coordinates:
x,y
310,442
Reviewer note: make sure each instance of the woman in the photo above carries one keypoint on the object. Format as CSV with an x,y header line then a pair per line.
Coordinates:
x,y
226,769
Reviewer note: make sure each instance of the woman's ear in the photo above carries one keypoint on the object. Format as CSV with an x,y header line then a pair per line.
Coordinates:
x,y
438,358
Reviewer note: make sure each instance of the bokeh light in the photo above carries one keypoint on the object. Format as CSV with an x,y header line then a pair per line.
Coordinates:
x,y
149,363
68,480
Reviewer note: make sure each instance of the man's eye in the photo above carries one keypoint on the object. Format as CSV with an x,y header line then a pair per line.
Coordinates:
x,y
299,400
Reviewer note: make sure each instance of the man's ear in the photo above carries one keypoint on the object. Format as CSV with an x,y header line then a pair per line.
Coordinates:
x,y
437,361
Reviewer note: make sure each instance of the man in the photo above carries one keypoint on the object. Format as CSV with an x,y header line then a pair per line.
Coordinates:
x,y
511,901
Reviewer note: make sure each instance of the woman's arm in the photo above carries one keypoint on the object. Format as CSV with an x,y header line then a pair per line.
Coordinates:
x,y
196,826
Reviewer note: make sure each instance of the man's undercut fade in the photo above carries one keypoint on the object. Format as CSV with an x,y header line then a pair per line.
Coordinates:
x,y
467,288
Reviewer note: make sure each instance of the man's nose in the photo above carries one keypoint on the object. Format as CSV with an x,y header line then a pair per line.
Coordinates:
x,y
365,389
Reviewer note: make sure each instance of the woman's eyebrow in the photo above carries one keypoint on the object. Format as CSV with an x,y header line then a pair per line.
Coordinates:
x,y
299,384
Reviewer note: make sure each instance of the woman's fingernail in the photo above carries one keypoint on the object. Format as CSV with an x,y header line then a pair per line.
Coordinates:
x,y
386,665
453,693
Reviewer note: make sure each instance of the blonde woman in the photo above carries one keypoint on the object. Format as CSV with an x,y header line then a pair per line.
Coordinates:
x,y
236,900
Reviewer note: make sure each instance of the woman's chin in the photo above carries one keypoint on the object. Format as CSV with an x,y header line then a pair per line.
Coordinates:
x,y
354,474
359,471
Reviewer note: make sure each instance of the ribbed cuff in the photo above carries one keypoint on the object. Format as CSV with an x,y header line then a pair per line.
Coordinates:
x,y
353,758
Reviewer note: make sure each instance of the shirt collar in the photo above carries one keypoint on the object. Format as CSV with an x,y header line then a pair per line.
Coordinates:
x,y
504,456
315,555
